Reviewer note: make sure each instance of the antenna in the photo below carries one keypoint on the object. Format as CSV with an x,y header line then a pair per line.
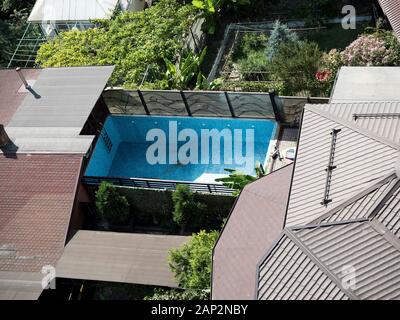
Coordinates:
x,y
22,77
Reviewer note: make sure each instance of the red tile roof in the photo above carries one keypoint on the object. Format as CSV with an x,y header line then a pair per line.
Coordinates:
x,y
391,8
36,198
254,224
10,99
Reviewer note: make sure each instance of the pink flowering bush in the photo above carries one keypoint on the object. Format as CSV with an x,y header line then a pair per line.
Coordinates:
x,y
323,76
367,50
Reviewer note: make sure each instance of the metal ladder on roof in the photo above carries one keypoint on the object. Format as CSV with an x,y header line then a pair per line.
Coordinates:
x,y
330,167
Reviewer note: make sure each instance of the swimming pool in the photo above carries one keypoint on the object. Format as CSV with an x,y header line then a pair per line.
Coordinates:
x,y
179,148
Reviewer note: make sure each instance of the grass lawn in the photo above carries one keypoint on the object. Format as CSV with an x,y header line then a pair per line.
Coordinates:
x,y
334,36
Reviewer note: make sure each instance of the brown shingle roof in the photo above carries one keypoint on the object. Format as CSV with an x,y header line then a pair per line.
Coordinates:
x,y
254,224
10,98
36,197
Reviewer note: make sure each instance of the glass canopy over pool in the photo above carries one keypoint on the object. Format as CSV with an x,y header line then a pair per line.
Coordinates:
x,y
180,148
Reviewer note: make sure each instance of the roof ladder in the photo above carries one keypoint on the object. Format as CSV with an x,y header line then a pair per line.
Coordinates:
x,y
329,169
357,116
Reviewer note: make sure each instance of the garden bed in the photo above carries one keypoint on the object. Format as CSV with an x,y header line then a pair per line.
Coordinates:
x,y
246,66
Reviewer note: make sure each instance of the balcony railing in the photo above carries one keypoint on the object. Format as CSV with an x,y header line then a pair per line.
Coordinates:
x,y
159,184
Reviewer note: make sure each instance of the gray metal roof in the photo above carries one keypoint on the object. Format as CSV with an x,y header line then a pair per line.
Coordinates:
x,y
314,263
358,84
350,151
20,285
391,8
362,205
51,121
361,157
72,10
363,246
288,273
380,119
119,257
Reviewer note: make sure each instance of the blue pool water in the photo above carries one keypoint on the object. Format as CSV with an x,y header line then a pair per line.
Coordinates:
x,y
180,148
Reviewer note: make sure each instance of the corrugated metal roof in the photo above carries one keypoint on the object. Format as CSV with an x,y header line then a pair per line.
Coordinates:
x,y
391,8
379,118
72,10
119,257
362,205
361,161
359,245
288,273
359,229
52,121
352,260
359,84
389,215
255,222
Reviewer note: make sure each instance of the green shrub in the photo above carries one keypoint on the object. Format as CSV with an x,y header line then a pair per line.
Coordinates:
x,y
280,34
191,263
249,43
254,62
131,41
297,63
392,44
111,205
254,86
187,211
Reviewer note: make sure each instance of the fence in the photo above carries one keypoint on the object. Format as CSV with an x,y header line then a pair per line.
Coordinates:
x,y
158,184
193,103
208,104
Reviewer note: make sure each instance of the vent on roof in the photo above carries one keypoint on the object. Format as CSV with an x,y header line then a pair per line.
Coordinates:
x,y
375,115
330,167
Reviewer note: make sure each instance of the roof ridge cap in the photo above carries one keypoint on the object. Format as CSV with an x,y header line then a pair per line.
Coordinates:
x,y
378,184
292,236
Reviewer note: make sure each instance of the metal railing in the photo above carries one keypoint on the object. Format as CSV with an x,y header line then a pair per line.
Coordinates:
x,y
158,184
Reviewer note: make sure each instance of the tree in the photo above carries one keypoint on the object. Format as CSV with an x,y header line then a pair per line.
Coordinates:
x,y
13,15
280,34
297,63
211,8
187,211
132,41
110,204
191,263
